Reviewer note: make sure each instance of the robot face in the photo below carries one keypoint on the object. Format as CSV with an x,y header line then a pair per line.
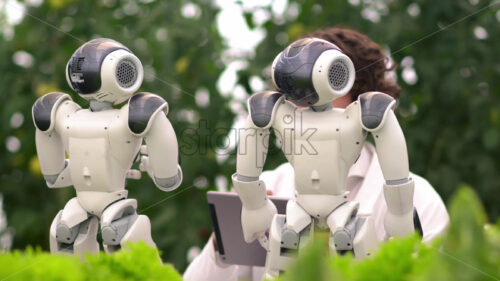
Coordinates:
x,y
104,70
312,71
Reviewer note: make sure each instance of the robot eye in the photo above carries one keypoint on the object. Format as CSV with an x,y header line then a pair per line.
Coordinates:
x,y
126,73
338,74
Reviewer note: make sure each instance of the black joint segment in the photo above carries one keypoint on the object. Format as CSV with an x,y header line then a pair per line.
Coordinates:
x,y
373,107
261,107
417,224
42,110
141,107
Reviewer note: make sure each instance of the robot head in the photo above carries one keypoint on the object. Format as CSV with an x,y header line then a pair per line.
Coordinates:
x,y
312,71
104,70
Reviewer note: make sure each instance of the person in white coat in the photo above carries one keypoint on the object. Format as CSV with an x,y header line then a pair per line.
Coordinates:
x,y
365,179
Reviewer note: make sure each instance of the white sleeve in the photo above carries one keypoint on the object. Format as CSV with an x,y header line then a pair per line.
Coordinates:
x,y
207,267
280,180
431,210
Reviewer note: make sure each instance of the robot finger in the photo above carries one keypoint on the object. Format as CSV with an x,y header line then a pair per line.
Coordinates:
x,y
144,149
264,242
144,166
134,174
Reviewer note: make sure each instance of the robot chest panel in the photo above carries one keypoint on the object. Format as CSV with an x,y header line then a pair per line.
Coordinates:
x,y
84,124
316,145
98,161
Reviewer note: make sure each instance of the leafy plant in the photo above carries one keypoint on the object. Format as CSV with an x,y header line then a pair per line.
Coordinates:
x,y
469,251
137,262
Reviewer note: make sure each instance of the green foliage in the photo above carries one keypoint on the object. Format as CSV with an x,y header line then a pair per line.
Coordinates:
x,y
469,251
138,262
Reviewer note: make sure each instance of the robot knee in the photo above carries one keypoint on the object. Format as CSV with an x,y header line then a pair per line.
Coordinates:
x,y
358,237
343,240
65,234
289,239
113,233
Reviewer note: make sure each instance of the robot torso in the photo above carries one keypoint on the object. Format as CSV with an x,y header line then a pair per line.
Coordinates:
x,y
321,146
99,145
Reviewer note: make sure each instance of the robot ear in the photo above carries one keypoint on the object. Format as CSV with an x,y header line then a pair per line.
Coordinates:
x,y
128,70
121,75
333,75
273,68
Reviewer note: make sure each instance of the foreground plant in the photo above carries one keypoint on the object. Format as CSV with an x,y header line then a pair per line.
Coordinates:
x,y
469,251
137,262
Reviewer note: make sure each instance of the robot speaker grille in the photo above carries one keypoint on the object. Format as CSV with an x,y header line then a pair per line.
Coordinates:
x,y
126,73
338,75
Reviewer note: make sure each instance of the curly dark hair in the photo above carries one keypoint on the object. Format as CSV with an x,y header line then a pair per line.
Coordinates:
x,y
368,58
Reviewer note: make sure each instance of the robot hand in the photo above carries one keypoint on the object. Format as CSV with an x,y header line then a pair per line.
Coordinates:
x,y
133,174
399,219
399,225
256,222
257,210
145,165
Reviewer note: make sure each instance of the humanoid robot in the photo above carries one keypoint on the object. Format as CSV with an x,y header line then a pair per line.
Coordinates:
x,y
101,144
321,143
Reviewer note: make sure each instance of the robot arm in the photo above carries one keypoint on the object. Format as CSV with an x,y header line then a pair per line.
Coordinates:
x,y
49,145
257,210
147,118
377,117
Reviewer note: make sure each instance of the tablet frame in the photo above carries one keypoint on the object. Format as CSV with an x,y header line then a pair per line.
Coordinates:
x,y
225,213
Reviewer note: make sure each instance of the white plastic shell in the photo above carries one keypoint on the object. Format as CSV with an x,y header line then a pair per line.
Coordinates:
x,y
333,76
112,89
110,83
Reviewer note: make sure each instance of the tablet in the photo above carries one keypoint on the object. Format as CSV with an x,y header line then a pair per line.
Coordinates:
x,y
225,211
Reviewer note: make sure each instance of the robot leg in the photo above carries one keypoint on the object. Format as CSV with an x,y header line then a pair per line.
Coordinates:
x,y
286,236
350,232
73,231
365,240
120,223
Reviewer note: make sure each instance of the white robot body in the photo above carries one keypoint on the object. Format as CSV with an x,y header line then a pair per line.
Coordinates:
x,y
94,149
321,143
321,147
320,153
101,151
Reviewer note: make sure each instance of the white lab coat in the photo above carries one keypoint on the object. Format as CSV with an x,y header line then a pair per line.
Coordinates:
x,y
364,182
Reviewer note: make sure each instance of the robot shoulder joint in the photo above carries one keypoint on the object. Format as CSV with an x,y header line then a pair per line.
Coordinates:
x,y
373,108
44,110
262,107
142,109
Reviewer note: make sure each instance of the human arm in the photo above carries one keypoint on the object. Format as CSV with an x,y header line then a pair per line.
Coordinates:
x,y
434,217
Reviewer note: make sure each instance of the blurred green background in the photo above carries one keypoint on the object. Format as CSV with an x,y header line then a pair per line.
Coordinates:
x,y
206,57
